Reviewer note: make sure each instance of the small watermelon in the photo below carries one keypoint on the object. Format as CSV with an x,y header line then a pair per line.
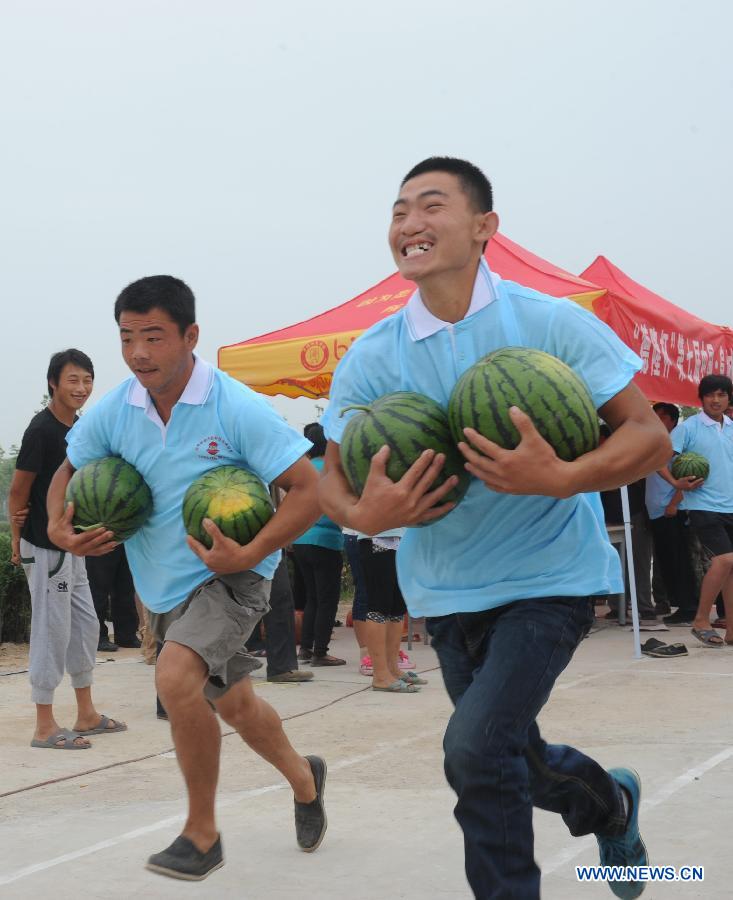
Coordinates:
x,y
542,386
233,498
409,423
690,463
111,493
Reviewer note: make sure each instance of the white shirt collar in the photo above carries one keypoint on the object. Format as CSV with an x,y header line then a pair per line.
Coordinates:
x,y
195,393
706,420
422,323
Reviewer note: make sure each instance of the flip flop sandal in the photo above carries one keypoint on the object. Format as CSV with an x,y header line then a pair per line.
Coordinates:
x,y
103,728
398,687
708,637
63,734
412,678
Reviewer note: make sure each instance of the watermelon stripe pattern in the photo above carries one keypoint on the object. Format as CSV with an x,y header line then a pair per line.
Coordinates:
x,y
550,392
690,463
233,498
112,493
409,423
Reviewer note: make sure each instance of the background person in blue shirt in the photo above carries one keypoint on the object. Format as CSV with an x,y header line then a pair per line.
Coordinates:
x,y
177,418
508,576
709,503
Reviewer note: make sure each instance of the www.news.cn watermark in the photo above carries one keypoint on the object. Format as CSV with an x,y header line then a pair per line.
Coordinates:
x,y
640,873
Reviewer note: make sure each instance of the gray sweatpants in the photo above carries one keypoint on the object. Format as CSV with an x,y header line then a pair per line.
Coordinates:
x,y
64,625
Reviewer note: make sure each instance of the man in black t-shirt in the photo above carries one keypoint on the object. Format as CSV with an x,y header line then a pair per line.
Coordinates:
x,y
64,626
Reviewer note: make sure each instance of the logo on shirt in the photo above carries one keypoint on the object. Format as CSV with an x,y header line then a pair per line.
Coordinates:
x,y
213,447
63,586
314,355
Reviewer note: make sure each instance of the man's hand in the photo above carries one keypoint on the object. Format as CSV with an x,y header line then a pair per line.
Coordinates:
x,y
688,483
15,552
96,542
226,556
670,510
385,504
532,467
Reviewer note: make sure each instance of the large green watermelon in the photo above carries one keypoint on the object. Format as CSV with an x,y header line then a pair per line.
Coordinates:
x,y
111,493
235,499
552,395
690,463
408,423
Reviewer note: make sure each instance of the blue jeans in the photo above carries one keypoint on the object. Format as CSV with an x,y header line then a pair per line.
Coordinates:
x,y
360,607
499,668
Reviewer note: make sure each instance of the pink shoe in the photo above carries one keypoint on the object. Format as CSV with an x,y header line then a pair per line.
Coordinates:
x,y
405,662
366,666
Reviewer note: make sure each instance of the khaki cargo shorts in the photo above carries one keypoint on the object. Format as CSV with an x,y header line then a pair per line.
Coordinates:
x,y
215,621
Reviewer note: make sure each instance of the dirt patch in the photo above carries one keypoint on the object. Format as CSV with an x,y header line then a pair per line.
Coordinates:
x,y
13,656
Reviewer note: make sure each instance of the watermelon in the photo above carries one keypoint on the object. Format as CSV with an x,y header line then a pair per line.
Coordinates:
x,y
690,464
110,493
544,387
235,499
409,423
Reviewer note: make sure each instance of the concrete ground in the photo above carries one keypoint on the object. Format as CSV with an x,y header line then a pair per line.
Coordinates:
x,y
81,824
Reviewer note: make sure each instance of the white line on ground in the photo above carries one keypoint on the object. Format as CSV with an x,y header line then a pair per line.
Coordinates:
x,y
664,793
223,803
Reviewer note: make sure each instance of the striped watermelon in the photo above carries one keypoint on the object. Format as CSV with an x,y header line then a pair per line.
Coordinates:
x,y
111,493
409,423
690,463
555,398
235,499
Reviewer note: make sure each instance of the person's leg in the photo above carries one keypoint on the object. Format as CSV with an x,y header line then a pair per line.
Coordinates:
x,y
519,651
393,638
641,544
359,608
302,556
670,551
122,602
180,677
261,728
100,571
714,536
327,573
280,625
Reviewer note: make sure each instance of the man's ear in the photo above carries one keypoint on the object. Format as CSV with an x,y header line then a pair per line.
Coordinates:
x,y
487,226
191,336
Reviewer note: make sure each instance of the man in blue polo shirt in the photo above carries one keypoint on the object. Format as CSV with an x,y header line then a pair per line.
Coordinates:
x,y
177,418
709,503
508,577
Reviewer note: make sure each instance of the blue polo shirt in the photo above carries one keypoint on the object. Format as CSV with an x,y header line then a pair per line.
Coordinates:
x,y
216,422
705,436
493,548
658,494
325,532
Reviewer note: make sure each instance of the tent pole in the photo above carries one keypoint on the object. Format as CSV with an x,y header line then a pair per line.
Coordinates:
x,y
630,569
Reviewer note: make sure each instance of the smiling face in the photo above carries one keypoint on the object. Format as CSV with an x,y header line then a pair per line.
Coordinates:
x,y
73,387
436,228
155,350
715,404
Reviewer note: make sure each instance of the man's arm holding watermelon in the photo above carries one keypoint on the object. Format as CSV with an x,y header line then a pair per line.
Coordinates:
x,y
61,532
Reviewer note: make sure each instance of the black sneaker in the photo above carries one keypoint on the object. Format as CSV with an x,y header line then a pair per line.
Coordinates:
x,y
106,646
183,860
129,643
310,818
680,617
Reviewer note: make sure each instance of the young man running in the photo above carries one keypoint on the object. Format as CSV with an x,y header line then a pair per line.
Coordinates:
x,y
64,627
709,503
508,577
175,419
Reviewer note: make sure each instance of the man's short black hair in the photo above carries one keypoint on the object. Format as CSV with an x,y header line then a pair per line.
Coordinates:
x,y
314,432
63,358
670,409
164,292
712,383
473,181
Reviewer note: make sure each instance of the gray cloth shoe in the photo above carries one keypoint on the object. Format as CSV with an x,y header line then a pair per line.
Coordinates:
x,y
310,818
294,677
183,860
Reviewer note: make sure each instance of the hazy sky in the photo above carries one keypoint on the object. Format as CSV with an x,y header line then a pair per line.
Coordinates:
x,y
254,149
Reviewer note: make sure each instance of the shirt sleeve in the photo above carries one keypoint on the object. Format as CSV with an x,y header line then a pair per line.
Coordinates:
x,y
264,439
30,455
592,349
88,439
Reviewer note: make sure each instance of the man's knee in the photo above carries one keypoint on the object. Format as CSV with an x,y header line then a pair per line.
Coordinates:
x,y
180,674
239,707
